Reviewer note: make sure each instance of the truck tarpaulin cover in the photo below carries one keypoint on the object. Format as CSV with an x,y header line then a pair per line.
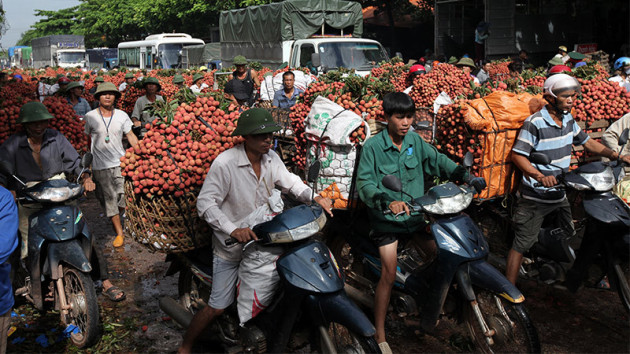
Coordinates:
x,y
499,116
289,20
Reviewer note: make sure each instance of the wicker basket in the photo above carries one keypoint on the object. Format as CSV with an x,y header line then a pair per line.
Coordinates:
x,y
165,224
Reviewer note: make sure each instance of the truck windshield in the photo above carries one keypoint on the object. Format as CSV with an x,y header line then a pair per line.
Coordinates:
x,y
170,54
351,55
71,57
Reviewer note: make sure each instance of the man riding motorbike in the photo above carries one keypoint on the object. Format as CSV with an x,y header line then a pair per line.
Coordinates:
x,y
239,181
37,154
553,131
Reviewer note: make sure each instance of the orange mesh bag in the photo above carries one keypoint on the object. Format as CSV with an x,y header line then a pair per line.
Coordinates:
x,y
332,192
499,116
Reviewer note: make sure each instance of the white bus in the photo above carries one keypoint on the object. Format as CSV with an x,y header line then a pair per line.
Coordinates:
x,y
156,51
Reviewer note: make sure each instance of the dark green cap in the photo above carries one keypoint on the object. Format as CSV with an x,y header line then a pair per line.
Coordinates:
x,y
151,80
99,79
240,60
556,61
452,60
466,62
576,55
73,84
129,76
178,79
196,77
33,111
255,121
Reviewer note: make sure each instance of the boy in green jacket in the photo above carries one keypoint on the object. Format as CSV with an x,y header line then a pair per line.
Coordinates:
x,y
409,158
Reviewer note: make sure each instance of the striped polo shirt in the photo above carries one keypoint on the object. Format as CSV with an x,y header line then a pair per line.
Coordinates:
x,y
541,133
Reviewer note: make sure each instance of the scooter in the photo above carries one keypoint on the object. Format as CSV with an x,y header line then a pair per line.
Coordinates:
x,y
310,304
457,282
606,240
60,247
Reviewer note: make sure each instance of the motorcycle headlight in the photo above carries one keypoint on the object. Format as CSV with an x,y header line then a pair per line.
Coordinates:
x,y
301,232
57,194
450,205
602,181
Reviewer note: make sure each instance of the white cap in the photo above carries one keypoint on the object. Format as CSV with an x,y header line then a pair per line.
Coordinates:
x,y
560,82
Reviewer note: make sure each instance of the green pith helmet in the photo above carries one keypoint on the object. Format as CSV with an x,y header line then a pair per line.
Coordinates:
x,y
196,77
466,62
99,79
576,55
106,87
178,79
255,121
556,61
151,80
33,111
129,76
240,60
73,84
452,60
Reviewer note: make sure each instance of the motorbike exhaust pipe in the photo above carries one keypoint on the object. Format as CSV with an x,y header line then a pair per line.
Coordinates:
x,y
176,311
358,296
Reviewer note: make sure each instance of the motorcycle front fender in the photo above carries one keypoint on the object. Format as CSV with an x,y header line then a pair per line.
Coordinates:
x,y
68,252
483,275
338,308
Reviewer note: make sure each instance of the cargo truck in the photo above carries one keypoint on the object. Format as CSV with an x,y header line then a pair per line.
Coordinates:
x,y
319,34
65,51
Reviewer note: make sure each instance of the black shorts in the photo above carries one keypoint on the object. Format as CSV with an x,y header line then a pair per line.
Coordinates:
x,y
385,238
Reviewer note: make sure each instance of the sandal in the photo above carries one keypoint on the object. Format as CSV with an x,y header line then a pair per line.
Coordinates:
x,y
113,293
118,241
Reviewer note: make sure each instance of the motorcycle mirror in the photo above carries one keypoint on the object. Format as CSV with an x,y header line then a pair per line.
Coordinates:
x,y
313,171
6,168
86,161
539,158
468,159
623,137
392,182
424,125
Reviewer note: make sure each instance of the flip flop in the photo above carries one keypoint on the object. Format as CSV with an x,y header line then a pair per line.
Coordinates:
x,y
118,241
113,292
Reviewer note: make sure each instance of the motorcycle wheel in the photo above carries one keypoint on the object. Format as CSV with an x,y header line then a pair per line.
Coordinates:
x,y
83,312
622,272
339,339
192,291
515,332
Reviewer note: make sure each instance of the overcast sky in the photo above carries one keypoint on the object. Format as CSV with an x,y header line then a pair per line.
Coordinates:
x,y
21,15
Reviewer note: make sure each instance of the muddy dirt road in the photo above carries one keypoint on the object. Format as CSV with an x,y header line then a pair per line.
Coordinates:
x,y
592,321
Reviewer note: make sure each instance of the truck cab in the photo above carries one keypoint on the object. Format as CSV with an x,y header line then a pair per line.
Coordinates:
x,y
329,53
70,58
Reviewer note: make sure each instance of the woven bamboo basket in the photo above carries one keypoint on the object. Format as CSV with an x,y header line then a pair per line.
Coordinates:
x,y
165,224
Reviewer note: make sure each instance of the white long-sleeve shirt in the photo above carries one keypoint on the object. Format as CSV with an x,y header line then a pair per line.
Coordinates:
x,y
231,192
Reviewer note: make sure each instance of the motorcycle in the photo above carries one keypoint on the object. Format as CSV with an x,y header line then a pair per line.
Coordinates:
x,y
60,247
603,219
310,302
606,240
457,282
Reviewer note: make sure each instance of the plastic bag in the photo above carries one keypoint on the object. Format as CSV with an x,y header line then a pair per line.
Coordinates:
x,y
329,123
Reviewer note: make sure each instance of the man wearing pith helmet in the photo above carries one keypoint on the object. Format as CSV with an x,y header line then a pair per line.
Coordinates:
x,y
129,80
240,181
37,154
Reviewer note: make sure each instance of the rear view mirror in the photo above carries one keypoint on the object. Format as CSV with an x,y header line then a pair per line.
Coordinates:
x,y
623,137
86,161
392,182
313,172
6,168
424,125
468,159
539,158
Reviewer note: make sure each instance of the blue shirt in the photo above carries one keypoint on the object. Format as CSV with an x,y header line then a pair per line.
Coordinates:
x,y
82,107
281,100
8,243
541,133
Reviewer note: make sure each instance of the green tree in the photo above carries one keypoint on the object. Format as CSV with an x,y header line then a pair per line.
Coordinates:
x,y
53,22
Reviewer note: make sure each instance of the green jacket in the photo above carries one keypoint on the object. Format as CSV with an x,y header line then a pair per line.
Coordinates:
x,y
416,158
